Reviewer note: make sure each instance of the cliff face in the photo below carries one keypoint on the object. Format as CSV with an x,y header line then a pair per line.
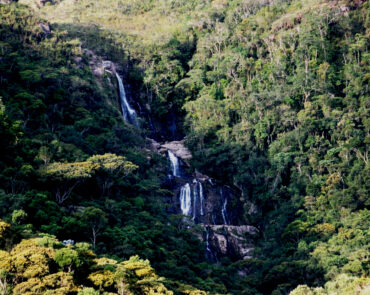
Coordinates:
x,y
211,203
233,241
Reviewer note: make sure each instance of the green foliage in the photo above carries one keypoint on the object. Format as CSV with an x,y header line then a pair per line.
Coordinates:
x,y
88,291
67,258
4,233
342,284
138,277
273,97
30,268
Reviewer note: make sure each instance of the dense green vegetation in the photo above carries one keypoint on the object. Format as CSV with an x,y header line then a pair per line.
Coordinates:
x,y
273,97
70,167
45,266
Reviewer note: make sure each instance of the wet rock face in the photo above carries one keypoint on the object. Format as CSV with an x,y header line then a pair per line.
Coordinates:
x,y
98,65
210,203
233,241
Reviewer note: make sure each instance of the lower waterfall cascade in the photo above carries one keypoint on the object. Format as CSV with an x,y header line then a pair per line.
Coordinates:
x,y
185,199
208,204
209,252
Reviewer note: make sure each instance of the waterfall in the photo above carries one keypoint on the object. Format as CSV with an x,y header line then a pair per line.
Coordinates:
x,y
185,199
129,114
224,211
174,164
224,207
201,197
209,253
208,248
196,196
211,182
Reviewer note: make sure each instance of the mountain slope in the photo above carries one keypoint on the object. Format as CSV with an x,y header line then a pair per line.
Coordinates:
x,y
272,96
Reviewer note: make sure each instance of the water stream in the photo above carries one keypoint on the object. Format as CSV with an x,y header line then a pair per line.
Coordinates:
x,y
129,114
174,164
185,199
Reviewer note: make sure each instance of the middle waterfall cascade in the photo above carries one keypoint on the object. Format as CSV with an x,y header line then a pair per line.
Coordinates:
x,y
174,164
129,114
185,199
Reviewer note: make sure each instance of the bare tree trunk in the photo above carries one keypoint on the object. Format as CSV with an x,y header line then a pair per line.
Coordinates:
x,y
3,287
63,194
94,234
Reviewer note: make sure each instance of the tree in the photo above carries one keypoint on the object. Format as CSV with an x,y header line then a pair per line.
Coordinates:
x,y
30,260
111,166
44,155
57,283
18,216
67,176
67,258
102,279
5,268
137,276
95,219
4,234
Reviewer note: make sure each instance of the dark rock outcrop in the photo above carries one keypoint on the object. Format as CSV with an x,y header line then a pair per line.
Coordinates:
x,y
233,241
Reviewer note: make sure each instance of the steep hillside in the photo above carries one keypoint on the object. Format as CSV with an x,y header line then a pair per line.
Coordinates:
x,y
71,167
271,99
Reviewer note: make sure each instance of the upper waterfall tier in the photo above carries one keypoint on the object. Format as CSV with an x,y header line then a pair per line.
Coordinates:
x,y
129,114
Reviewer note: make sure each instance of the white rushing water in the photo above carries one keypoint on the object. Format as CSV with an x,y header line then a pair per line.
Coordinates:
x,y
129,114
224,207
185,199
198,197
174,164
201,196
209,253
195,199
208,248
